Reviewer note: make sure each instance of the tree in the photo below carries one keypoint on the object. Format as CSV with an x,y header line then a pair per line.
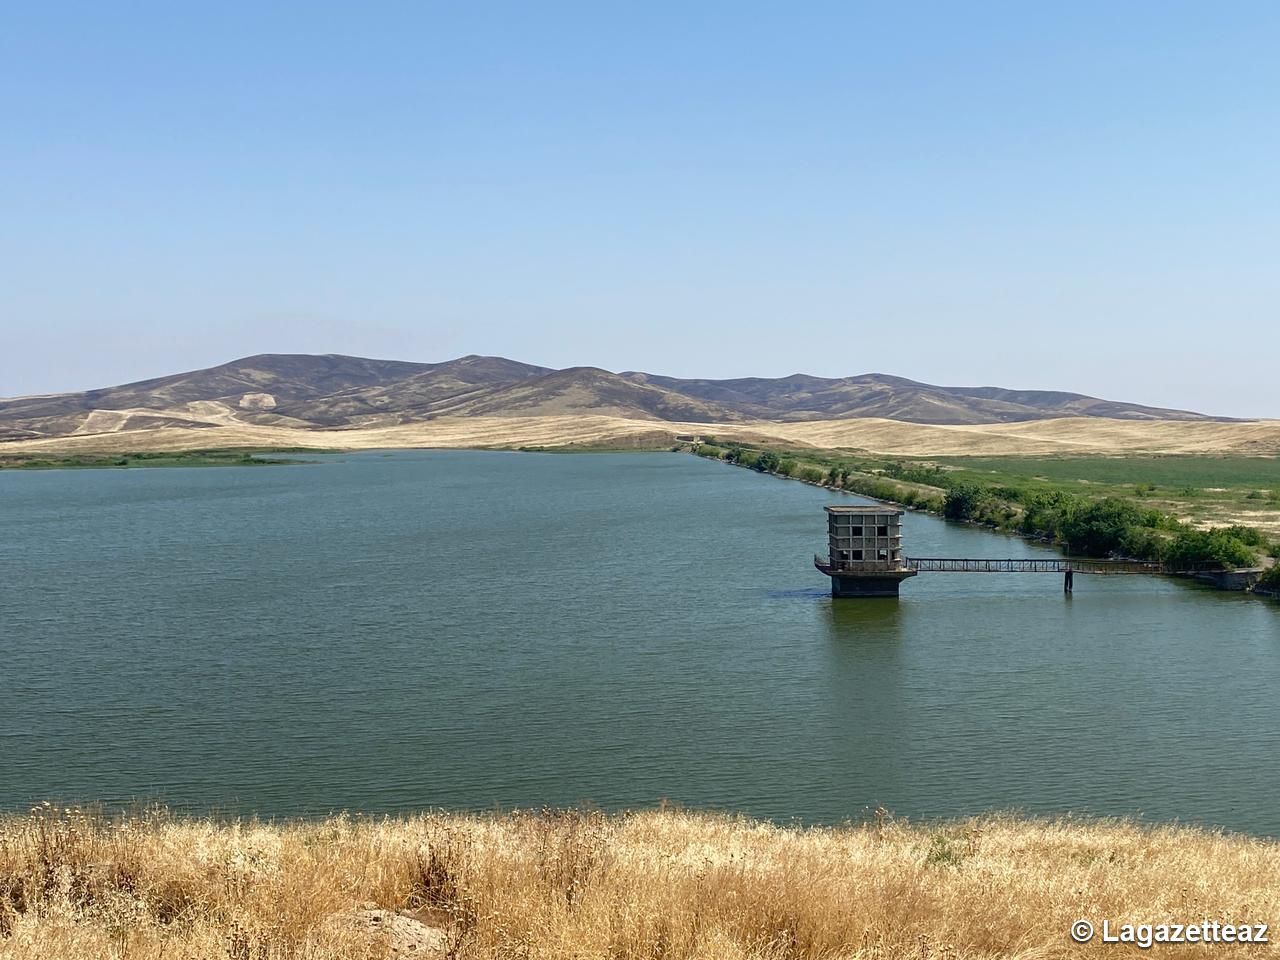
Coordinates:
x,y
1044,513
963,501
1099,528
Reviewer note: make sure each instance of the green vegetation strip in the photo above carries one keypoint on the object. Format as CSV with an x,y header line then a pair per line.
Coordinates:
x,y
1078,504
191,458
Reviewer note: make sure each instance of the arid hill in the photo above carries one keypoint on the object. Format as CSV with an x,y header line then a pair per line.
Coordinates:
x,y
800,397
303,392
295,390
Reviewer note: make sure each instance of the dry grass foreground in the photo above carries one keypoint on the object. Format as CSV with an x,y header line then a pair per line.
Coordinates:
x,y
1077,435
647,885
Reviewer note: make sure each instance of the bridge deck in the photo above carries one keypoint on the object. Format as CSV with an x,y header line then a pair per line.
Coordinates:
x,y
1037,565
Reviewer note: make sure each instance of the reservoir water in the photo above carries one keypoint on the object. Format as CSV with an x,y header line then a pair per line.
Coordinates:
x,y
386,632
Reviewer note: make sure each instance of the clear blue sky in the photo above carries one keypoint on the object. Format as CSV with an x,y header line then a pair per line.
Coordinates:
x,y
1077,196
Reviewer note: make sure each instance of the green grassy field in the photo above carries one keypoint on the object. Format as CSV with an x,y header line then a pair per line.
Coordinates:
x,y
1212,490
1246,473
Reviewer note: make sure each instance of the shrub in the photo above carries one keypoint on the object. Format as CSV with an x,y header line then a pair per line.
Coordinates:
x,y
1192,548
1155,519
787,468
1141,543
873,487
766,461
884,490
946,851
811,474
1246,535
933,476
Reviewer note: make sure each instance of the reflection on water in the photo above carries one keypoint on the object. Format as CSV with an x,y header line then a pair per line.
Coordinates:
x,y
870,619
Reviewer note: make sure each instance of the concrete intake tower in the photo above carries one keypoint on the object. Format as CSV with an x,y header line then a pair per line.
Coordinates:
x,y
864,557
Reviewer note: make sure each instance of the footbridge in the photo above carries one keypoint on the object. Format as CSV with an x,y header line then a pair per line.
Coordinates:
x,y
1032,565
860,578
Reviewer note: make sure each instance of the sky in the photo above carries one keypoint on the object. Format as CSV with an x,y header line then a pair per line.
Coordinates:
x,y
1079,196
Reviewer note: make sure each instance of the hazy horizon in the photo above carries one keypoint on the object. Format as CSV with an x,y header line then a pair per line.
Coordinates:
x,y
1079,199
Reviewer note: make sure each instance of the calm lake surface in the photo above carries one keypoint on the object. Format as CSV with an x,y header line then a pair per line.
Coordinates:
x,y
385,632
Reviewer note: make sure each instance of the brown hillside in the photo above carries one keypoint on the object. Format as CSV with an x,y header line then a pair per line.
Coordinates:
x,y
801,397
585,390
332,392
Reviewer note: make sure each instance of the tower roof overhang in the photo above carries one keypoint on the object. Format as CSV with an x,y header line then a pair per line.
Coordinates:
x,y
863,509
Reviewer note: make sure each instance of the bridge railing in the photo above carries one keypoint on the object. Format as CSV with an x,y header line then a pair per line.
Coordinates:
x,y
1010,565
1031,565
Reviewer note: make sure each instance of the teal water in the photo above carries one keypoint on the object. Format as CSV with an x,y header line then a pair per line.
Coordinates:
x,y
476,630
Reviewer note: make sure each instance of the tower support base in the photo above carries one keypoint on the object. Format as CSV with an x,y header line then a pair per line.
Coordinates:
x,y
867,585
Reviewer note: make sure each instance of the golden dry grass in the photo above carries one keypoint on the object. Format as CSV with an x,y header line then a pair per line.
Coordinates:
x,y
444,433
1064,436
648,885
1079,435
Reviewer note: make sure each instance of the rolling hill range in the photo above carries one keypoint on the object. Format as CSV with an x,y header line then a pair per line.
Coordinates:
x,y
337,393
